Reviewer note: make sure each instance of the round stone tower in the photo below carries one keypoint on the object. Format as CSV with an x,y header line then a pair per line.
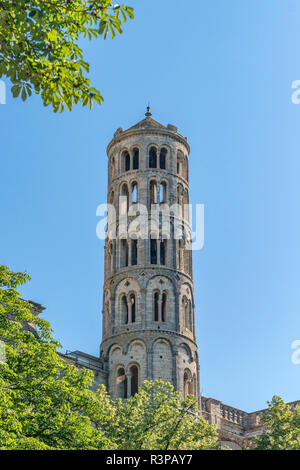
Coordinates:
x,y
148,297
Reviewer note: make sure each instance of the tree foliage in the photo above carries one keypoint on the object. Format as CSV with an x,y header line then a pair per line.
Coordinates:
x,y
46,403
39,48
156,418
282,427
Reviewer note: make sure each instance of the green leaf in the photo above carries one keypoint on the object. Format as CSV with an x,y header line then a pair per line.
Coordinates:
x,y
16,90
23,94
102,27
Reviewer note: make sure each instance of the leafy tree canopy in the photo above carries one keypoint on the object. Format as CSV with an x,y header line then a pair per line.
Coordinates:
x,y
282,427
156,418
46,403
39,48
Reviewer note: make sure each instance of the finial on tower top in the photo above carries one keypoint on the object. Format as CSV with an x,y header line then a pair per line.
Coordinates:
x,y
148,113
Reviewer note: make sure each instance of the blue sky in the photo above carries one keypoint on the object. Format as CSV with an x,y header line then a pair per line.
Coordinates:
x,y
221,70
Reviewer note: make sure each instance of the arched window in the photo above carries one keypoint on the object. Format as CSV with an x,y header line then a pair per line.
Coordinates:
x,y
187,313
135,161
180,161
133,252
132,304
185,205
162,158
134,193
121,383
124,307
124,253
187,383
126,161
163,306
153,250
125,199
134,373
153,192
163,245
186,256
180,195
156,298
152,158
163,192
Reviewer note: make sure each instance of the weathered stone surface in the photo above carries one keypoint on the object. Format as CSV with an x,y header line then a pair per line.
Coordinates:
x,y
163,347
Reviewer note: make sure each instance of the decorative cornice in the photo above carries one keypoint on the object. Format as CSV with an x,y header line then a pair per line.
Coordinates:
x,y
149,131
150,330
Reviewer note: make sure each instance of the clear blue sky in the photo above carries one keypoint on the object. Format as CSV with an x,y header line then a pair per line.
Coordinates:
x,y
221,70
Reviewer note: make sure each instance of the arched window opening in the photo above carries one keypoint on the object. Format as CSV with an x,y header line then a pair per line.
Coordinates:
x,y
163,244
163,307
180,163
134,372
125,199
153,192
135,161
124,253
133,252
121,383
163,192
134,193
188,387
156,298
187,313
186,213
162,158
191,387
132,303
179,195
124,307
126,159
186,253
152,158
185,385
153,250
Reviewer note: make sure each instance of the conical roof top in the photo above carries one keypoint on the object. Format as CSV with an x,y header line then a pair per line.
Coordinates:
x,y
148,124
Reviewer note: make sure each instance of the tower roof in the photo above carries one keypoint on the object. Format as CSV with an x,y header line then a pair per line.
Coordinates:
x,y
148,124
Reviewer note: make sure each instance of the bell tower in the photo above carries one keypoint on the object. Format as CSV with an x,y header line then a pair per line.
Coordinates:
x,y
148,297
